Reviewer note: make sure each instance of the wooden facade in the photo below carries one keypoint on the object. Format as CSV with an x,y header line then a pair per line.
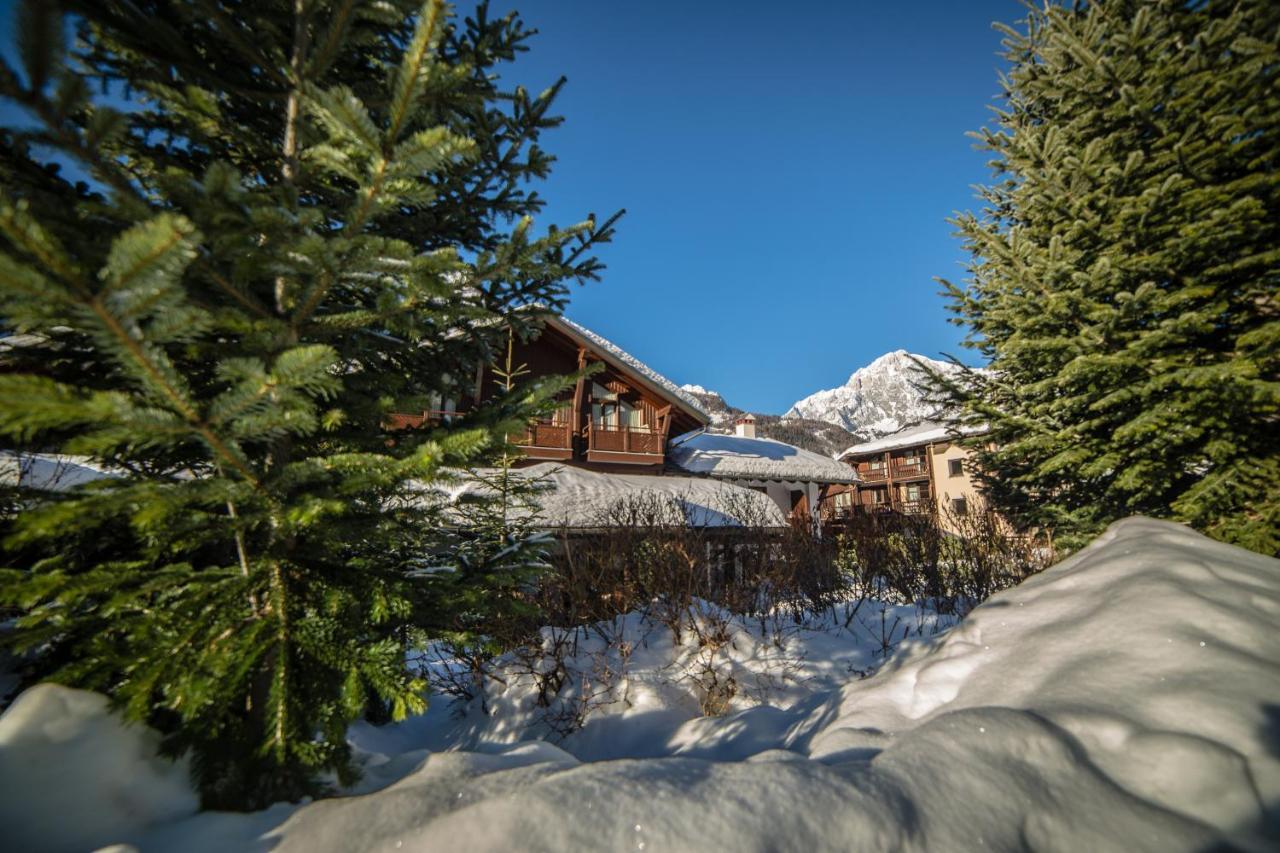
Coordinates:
x,y
926,472
899,480
617,419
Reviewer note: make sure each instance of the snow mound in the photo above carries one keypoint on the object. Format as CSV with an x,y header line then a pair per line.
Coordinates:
x,y
1154,653
72,776
1126,699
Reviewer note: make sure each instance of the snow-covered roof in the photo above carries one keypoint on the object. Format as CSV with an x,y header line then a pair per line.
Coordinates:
x,y
736,457
925,432
8,343
626,360
583,499
49,471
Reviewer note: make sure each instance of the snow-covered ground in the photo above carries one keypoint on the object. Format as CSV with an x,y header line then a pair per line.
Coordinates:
x,y
1125,699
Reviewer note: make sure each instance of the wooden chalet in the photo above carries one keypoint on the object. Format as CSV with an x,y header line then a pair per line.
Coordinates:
x,y
619,419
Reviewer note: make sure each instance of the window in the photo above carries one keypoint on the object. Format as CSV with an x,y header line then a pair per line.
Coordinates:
x,y
955,467
913,493
877,496
633,418
960,506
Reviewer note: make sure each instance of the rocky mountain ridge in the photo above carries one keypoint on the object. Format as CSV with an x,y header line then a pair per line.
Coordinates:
x,y
880,398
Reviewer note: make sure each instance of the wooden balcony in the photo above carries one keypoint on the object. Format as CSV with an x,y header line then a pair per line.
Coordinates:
x,y
623,445
551,438
417,420
864,510
856,510
908,468
872,475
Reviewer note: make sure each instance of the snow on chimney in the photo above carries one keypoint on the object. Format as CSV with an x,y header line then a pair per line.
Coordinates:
x,y
745,426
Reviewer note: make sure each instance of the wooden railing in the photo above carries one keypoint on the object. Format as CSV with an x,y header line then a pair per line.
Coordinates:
x,y
854,510
553,432
414,420
547,434
920,507
624,440
916,467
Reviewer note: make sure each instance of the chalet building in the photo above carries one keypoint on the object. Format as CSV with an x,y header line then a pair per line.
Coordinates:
x,y
627,428
620,419
920,469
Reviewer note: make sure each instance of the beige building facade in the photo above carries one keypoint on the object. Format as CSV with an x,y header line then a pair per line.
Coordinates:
x,y
917,470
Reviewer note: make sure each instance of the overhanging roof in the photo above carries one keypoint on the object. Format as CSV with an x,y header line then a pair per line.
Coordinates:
x,y
621,360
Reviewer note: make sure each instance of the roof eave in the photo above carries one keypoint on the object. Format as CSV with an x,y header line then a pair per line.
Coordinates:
x,y
631,372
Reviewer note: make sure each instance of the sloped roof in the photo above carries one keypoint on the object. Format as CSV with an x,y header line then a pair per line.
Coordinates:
x,y
625,360
736,457
582,499
925,432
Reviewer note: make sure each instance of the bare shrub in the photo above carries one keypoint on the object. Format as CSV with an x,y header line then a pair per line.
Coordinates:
x,y
953,561
642,554
703,582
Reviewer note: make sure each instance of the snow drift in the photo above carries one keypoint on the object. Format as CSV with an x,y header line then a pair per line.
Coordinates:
x,y
1126,699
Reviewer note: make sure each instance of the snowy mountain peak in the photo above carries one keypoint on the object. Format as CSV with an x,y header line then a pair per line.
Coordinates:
x,y
722,414
878,399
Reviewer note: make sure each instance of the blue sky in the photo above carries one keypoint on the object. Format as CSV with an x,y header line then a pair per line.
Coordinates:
x,y
787,173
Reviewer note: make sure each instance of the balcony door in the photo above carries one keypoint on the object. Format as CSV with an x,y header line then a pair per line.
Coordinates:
x,y
609,411
604,407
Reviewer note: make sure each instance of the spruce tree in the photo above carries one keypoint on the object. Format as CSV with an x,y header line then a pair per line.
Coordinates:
x,y
299,217
501,551
1124,271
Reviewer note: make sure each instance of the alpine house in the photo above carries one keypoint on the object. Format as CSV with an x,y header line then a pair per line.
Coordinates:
x,y
628,430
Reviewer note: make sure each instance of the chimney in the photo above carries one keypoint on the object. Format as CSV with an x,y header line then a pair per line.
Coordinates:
x,y
745,426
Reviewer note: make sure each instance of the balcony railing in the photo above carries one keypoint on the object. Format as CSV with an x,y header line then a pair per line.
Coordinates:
x,y
546,434
415,420
900,468
549,438
911,467
856,510
623,440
